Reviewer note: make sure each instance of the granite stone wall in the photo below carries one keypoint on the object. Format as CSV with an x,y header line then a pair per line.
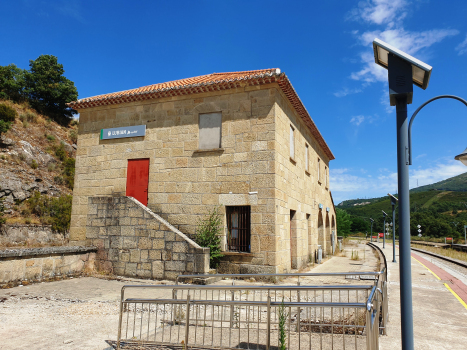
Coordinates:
x,y
135,242
17,234
23,266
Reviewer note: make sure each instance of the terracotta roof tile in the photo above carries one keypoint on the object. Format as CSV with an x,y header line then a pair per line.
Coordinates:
x,y
206,83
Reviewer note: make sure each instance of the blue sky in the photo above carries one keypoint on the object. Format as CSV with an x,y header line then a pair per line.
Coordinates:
x,y
324,47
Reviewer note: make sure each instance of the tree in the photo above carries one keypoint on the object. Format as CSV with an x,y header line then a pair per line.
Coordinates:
x,y
359,224
7,117
12,83
48,90
343,221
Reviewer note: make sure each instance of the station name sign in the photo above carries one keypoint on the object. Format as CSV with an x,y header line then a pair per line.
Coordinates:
x,y
128,131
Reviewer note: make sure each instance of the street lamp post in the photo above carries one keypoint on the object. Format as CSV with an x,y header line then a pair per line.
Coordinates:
x,y
465,234
404,71
393,203
384,229
371,231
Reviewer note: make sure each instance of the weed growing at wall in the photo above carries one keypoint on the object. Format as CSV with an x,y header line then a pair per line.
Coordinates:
x,y
282,320
208,235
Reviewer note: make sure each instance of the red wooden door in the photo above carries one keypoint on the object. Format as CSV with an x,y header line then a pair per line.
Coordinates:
x,y
137,179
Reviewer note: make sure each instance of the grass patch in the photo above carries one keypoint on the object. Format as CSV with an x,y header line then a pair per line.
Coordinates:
x,y
448,252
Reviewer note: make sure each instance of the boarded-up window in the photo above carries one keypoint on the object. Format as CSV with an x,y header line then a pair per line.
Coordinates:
x,y
292,143
210,125
307,168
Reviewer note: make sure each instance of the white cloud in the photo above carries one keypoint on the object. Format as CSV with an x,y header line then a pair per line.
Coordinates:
x,y
390,14
379,11
462,47
410,42
357,120
345,91
344,185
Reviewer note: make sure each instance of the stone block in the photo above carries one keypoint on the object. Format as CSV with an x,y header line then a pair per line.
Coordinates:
x,y
135,256
144,243
158,269
130,269
155,255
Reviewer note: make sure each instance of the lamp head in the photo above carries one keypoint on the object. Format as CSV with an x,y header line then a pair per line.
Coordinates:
x,y
384,214
462,157
394,200
403,70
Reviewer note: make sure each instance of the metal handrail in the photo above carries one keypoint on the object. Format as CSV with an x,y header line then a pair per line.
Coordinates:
x,y
261,275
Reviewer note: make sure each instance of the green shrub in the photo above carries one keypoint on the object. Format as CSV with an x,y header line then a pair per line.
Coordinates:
x,y
50,138
60,152
73,136
2,209
52,211
208,235
69,172
7,113
31,117
25,125
58,180
4,126
34,164
51,167
283,315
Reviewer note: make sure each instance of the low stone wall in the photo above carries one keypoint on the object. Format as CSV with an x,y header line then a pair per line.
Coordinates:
x,y
135,242
38,264
11,234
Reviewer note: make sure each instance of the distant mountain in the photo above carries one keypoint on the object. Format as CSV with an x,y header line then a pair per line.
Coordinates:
x,y
457,183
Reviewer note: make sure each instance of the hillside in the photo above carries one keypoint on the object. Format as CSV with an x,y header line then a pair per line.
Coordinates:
x,y
34,155
457,183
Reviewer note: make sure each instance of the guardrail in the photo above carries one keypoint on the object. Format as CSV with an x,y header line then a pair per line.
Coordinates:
x,y
274,277
382,287
250,317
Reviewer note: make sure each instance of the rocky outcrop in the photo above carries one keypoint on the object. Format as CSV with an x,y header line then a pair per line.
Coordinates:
x,y
19,184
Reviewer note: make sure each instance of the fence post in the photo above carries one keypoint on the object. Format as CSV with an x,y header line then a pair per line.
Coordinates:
x,y
187,327
120,318
268,331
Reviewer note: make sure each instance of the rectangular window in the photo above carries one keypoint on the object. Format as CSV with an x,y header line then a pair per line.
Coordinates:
x,y
238,228
292,143
307,168
326,176
210,130
319,166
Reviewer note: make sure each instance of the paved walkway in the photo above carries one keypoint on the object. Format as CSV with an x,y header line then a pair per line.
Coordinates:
x,y
440,319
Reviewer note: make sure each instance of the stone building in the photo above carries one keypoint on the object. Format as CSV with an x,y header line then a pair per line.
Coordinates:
x,y
240,141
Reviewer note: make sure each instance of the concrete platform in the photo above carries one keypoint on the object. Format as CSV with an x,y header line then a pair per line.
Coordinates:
x,y
440,319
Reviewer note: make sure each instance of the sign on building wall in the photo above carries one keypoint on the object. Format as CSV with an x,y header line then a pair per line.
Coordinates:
x,y
128,131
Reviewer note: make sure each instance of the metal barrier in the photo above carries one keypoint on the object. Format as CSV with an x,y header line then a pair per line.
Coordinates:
x,y
380,281
276,276
250,317
382,286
